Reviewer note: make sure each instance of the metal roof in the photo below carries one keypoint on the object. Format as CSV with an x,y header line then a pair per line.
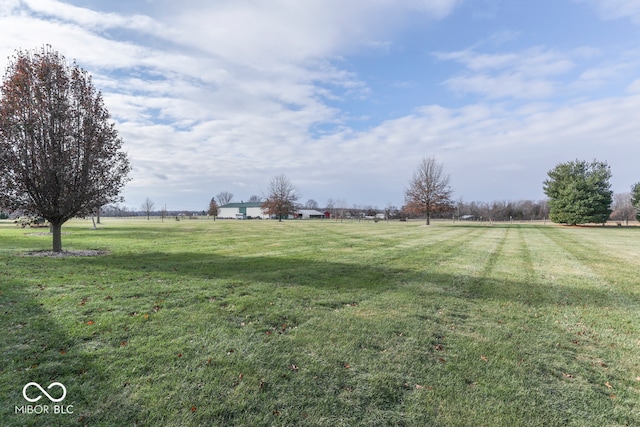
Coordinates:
x,y
243,205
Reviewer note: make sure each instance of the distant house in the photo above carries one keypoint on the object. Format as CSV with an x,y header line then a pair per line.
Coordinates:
x,y
246,210
310,214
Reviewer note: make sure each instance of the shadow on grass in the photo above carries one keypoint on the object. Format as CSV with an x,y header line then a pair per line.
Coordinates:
x,y
276,270
375,278
37,349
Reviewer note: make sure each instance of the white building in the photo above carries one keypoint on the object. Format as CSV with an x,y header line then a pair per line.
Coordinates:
x,y
242,211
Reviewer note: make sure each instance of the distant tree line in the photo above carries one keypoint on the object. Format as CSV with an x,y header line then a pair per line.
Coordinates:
x,y
518,210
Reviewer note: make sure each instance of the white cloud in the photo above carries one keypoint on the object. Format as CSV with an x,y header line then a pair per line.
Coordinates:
x,y
89,18
213,96
634,87
616,9
522,75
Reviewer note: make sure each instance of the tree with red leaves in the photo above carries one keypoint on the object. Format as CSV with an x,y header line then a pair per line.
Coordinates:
x,y
60,156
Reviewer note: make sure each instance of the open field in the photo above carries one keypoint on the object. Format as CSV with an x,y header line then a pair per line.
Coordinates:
x,y
324,324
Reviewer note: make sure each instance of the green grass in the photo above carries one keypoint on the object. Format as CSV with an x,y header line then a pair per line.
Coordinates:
x,y
324,324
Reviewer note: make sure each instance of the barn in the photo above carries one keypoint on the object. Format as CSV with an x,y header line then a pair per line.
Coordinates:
x,y
309,214
243,210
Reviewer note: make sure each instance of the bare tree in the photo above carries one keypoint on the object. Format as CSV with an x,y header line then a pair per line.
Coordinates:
x,y
330,207
213,208
390,211
255,199
147,207
281,198
311,204
341,208
622,208
59,153
429,189
224,197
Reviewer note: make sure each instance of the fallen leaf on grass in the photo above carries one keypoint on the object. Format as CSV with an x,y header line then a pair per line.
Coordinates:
x,y
439,347
194,409
638,378
123,343
179,354
347,366
484,358
442,360
156,308
238,381
90,322
567,375
63,351
421,387
608,385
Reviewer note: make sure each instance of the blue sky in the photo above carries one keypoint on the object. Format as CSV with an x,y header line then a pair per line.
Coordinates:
x,y
346,97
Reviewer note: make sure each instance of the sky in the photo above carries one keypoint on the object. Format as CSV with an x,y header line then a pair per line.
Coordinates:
x,y
345,97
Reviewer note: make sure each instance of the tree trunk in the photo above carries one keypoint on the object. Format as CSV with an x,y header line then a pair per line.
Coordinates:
x,y
56,230
428,219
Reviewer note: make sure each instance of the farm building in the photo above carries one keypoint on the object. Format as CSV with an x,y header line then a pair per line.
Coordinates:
x,y
310,214
246,210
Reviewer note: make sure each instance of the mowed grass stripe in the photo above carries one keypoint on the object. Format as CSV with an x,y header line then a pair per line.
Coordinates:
x,y
320,323
616,282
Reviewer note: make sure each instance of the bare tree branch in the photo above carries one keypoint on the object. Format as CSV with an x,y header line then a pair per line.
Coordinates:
x,y
429,189
281,198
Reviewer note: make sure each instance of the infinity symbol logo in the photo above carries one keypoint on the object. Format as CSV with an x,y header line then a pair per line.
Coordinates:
x,y
64,392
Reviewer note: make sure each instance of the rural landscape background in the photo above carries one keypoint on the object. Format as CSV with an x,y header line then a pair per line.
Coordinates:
x,y
470,168
202,322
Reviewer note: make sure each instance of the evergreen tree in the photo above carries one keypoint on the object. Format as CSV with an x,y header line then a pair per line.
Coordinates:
x,y
579,192
635,198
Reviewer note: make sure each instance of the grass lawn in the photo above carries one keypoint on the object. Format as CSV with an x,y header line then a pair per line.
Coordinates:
x,y
322,323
